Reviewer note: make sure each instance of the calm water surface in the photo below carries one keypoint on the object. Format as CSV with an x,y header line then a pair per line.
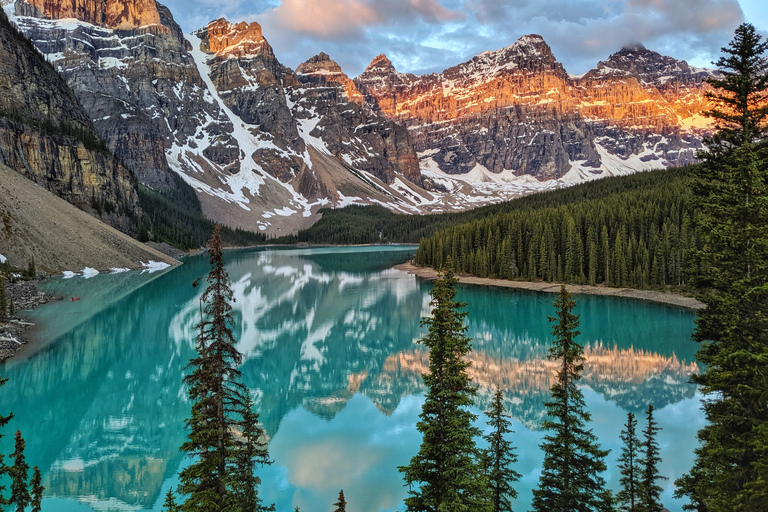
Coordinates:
x,y
331,360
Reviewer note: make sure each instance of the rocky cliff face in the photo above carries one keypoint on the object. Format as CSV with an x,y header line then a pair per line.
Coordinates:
x,y
645,104
516,111
138,84
46,135
218,108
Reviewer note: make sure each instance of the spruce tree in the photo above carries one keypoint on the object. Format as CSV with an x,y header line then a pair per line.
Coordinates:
x,y
341,505
730,269
18,473
499,457
3,300
169,505
214,480
650,491
249,449
446,472
36,490
629,466
570,479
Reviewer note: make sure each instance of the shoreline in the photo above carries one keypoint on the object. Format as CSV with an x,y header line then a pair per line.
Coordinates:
x,y
666,298
26,296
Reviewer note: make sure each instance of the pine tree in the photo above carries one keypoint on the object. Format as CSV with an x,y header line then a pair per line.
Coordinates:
x,y
213,481
446,473
169,505
249,450
629,466
730,268
570,479
18,473
650,491
3,300
341,505
36,490
499,457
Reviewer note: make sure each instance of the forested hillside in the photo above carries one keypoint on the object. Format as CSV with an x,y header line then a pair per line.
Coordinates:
x,y
629,231
375,224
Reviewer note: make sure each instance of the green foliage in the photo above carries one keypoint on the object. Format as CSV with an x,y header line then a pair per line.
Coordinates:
x,y
446,474
3,300
169,505
175,217
341,504
20,496
499,457
570,478
219,477
37,490
628,231
650,491
629,467
730,269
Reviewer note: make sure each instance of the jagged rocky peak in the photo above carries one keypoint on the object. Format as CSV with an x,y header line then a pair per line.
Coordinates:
x,y
649,67
530,53
116,14
321,70
229,40
320,64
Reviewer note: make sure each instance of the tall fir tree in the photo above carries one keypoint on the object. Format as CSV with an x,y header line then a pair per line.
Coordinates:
x,y
19,473
36,490
573,460
650,491
446,473
214,480
499,457
341,504
730,268
629,467
169,504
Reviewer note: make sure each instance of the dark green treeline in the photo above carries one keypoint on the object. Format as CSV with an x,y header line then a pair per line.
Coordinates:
x,y
629,231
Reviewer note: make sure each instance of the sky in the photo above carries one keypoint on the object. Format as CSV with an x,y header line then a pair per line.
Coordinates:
x,y
423,36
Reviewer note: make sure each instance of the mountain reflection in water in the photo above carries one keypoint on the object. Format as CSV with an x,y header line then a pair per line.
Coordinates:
x,y
331,359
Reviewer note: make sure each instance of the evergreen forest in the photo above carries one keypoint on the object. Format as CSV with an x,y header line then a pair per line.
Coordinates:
x,y
632,231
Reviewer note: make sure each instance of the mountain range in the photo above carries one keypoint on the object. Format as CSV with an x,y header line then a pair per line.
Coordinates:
x,y
265,147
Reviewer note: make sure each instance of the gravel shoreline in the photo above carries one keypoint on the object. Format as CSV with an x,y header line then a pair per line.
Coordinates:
x,y
25,296
668,298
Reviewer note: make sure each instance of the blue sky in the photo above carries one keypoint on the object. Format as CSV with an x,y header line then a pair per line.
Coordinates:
x,y
430,35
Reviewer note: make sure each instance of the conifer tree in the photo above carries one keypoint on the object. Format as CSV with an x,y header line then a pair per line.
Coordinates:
x,y
213,482
446,473
629,466
650,491
36,490
249,449
18,473
341,505
499,457
3,300
730,268
570,479
169,505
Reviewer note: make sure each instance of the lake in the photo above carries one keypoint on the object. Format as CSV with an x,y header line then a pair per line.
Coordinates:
x,y
331,358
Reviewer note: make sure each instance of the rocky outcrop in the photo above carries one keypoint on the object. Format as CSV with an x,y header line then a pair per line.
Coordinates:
x,y
348,128
46,135
117,14
139,85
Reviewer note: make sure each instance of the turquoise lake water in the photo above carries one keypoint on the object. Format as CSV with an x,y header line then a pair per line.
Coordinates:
x,y
329,337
